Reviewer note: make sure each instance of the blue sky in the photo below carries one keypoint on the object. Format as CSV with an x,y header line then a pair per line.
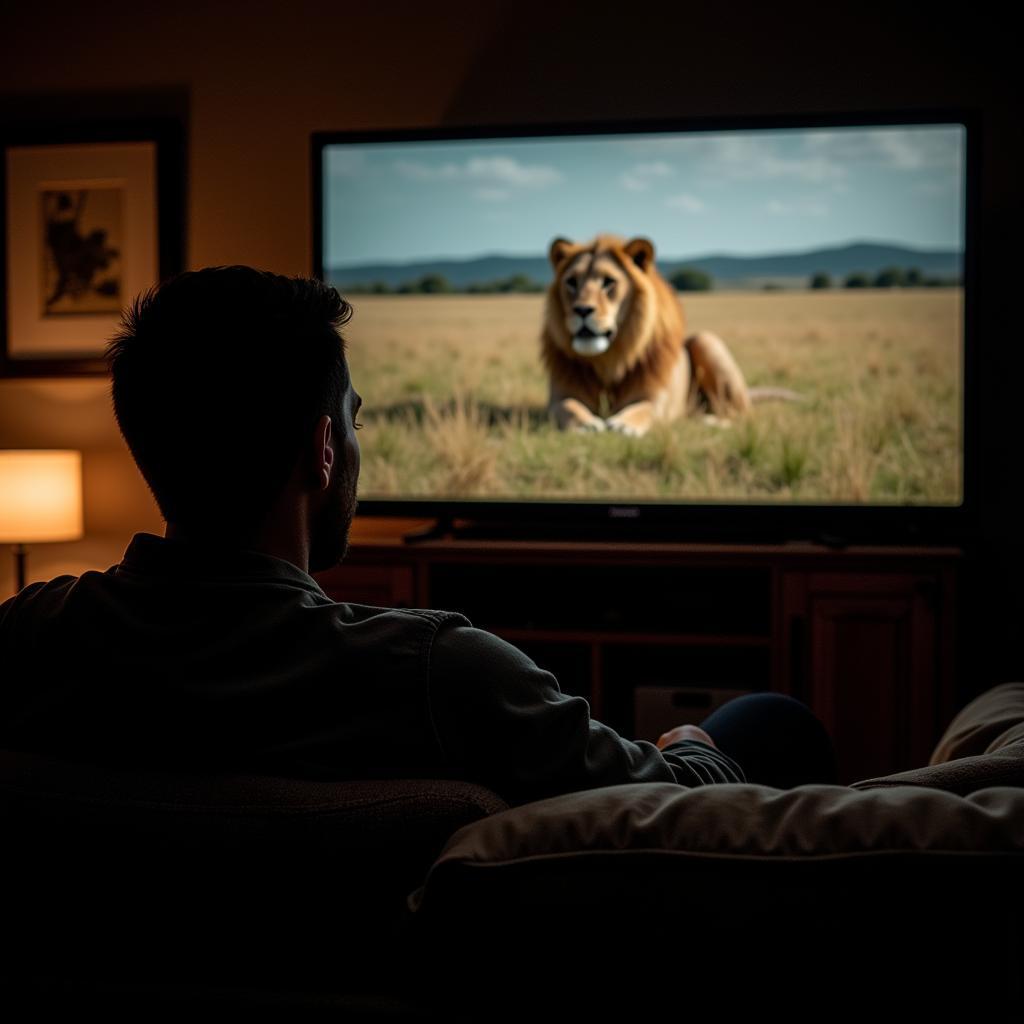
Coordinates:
x,y
734,193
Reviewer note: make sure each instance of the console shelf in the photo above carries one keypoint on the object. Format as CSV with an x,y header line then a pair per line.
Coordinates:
x,y
666,639
655,634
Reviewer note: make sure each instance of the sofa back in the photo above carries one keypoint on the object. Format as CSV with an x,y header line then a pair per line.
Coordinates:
x,y
160,879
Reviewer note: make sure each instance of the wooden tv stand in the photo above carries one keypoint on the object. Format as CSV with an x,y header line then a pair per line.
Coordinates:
x,y
659,633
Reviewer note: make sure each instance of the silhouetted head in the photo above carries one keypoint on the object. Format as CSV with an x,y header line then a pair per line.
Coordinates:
x,y
221,381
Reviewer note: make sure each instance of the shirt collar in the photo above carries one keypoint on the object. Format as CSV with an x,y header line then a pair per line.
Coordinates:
x,y
150,555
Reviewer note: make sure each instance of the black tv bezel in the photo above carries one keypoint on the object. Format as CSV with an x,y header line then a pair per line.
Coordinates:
x,y
749,522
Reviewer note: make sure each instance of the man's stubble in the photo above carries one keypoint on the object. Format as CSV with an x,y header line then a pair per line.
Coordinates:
x,y
329,540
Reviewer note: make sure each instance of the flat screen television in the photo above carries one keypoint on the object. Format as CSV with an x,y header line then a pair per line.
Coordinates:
x,y
515,372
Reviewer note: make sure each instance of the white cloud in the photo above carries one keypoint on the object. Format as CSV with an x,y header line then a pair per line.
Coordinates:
x,y
655,169
639,177
345,163
656,145
491,173
427,172
800,208
813,154
745,156
901,149
509,171
686,203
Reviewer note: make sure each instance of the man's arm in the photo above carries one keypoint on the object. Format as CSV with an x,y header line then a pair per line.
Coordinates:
x,y
503,721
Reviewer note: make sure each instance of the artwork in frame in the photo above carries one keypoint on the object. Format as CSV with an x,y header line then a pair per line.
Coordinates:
x,y
89,221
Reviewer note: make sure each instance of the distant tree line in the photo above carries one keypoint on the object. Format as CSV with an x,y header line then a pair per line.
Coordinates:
x,y
690,279
891,277
438,284
686,279
516,283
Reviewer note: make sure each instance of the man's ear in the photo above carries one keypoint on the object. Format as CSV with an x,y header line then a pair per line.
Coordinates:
x,y
641,252
323,466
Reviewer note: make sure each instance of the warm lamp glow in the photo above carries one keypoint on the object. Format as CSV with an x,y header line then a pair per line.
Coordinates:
x,y
40,496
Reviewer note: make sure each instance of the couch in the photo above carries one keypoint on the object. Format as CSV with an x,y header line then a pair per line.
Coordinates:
x,y
434,899
814,902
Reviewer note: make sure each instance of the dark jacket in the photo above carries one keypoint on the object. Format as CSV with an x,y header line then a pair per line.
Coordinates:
x,y
216,659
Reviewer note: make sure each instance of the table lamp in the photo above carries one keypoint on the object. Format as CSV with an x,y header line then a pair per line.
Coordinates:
x,y
40,500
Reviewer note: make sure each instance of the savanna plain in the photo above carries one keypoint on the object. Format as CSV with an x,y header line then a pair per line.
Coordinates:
x,y
455,403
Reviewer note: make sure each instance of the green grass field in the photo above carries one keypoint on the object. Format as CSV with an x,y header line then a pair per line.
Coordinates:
x,y
455,403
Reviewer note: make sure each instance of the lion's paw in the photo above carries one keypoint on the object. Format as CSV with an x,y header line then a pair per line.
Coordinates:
x,y
717,421
594,426
628,429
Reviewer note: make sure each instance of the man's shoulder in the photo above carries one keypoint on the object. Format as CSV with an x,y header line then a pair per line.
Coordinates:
x,y
40,597
463,654
430,619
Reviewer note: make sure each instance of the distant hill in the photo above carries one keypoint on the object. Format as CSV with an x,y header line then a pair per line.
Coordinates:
x,y
726,271
460,273
866,257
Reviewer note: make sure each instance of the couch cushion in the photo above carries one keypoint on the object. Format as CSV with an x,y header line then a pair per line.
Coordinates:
x,y
982,747
740,820
737,891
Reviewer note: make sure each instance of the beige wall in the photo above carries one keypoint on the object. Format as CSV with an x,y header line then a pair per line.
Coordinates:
x,y
256,79
76,414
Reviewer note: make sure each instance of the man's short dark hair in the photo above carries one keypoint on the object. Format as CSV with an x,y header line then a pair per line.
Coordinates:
x,y
219,377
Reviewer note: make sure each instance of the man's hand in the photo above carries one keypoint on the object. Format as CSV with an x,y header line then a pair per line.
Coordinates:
x,y
684,732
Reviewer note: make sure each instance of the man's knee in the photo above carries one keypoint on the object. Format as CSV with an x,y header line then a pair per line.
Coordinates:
x,y
761,712
769,703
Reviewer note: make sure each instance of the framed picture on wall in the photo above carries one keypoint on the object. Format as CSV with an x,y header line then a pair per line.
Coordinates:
x,y
91,216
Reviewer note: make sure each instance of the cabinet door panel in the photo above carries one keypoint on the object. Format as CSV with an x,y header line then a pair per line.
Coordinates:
x,y
858,680
869,669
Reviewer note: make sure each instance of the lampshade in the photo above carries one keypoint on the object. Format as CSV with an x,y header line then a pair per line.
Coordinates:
x,y
40,496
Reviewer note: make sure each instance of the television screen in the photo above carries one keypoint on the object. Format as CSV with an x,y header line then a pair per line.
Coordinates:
x,y
743,316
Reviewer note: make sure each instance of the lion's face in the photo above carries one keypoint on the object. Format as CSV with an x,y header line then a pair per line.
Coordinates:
x,y
593,299
594,291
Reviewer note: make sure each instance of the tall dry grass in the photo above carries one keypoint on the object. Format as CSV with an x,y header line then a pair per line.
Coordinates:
x,y
455,398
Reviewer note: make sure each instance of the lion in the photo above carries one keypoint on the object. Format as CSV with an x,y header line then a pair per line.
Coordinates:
x,y
615,346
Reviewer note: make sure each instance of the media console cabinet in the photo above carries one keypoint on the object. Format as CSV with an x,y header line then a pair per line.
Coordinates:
x,y
656,634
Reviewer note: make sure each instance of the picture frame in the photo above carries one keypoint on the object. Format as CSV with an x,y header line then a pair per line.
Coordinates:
x,y
90,216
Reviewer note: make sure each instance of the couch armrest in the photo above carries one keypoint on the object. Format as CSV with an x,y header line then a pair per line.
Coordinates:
x,y
990,722
982,747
